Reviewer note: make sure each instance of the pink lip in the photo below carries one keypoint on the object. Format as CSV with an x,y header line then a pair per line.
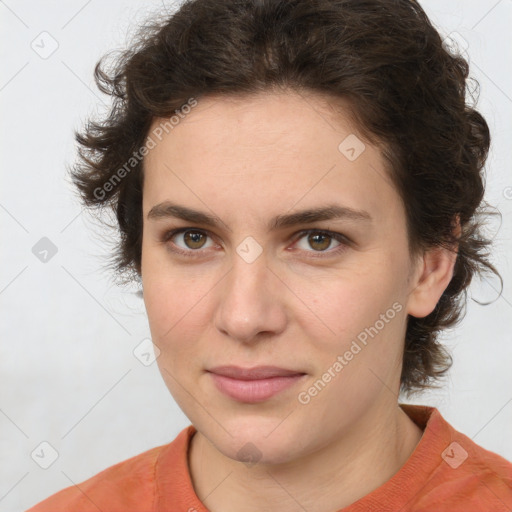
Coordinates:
x,y
253,384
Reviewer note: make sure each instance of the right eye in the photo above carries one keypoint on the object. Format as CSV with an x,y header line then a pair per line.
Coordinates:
x,y
193,240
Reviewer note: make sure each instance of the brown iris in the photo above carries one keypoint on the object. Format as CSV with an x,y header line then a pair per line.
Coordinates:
x,y
314,237
193,237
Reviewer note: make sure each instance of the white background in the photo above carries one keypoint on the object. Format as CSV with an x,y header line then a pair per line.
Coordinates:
x,y
67,369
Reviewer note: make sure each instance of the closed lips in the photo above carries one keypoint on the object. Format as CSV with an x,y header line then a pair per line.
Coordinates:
x,y
257,373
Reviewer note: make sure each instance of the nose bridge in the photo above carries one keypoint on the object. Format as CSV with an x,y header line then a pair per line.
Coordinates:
x,y
248,277
250,264
248,304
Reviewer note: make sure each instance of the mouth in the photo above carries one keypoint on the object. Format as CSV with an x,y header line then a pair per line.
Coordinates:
x,y
252,385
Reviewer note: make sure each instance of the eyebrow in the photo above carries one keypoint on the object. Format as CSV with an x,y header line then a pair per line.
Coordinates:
x,y
168,209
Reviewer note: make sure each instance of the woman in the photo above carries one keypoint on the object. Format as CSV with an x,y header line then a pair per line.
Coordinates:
x,y
298,187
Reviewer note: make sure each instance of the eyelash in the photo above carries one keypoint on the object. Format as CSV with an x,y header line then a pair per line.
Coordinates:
x,y
344,241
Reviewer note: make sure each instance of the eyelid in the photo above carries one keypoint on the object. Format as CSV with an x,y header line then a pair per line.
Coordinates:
x,y
344,241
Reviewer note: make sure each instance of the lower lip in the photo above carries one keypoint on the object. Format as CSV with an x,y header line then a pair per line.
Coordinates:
x,y
253,391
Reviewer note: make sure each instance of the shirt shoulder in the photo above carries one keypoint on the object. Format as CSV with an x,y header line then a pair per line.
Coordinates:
x,y
468,477
447,472
120,487
457,474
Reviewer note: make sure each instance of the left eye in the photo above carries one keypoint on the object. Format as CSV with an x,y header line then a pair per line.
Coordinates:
x,y
321,240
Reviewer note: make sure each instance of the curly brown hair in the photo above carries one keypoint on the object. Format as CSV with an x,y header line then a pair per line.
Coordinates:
x,y
407,92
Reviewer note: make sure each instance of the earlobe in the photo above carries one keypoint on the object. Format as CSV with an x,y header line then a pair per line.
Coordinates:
x,y
433,275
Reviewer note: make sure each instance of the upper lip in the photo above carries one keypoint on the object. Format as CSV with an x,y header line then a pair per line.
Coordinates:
x,y
258,372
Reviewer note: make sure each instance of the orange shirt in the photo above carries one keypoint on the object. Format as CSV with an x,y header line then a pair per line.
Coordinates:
x,y
446,472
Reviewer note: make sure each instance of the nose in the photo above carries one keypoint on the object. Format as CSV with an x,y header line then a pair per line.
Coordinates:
x,y
251,301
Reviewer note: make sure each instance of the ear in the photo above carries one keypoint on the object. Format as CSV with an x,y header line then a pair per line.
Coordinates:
x,y
433,273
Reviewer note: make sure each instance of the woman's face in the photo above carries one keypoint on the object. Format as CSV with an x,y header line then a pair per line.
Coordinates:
x,y
253,291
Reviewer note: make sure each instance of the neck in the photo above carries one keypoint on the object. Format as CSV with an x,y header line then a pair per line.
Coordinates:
x,y
350,467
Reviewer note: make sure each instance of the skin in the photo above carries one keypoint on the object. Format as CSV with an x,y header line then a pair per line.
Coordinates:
x,y
246,160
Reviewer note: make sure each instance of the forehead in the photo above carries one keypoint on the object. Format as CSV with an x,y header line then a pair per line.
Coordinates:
x,y
266,151
259,119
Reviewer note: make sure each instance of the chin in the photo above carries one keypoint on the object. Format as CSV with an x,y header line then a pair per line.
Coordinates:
x,y
254,439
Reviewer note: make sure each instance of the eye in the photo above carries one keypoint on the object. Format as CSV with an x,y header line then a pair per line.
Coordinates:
x,y
320,241
194,240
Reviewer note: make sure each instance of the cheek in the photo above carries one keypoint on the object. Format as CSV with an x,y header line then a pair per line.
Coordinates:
x,y
160,307
363,345
344,306
168,312
174,326
165,293
361,358
177,308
